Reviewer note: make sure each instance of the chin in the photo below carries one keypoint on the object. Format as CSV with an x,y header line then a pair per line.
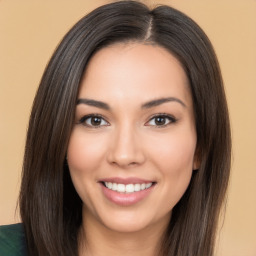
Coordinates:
x,y
130,223
127,227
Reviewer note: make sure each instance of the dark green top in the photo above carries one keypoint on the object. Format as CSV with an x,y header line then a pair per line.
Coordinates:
x,y
12,240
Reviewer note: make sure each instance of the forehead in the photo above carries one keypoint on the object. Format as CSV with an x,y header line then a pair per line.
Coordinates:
x,y
135,71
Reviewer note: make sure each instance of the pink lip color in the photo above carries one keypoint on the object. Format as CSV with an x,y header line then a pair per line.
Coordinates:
x,y
126,199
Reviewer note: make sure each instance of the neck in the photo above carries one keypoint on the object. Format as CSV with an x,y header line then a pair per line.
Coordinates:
x,y
97,239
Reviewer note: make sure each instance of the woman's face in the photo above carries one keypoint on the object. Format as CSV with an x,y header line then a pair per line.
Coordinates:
x,y
132,149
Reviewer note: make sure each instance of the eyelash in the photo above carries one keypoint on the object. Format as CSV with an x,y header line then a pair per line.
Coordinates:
x,y
170,118
87,117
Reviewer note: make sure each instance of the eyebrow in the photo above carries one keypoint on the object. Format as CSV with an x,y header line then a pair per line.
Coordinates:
x,y
149,104
157,102
94,103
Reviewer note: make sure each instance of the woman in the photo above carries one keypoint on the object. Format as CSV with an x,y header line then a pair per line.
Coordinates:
x,y
128,147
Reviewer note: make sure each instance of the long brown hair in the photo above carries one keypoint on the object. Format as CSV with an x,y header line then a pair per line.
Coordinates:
x,y
49,205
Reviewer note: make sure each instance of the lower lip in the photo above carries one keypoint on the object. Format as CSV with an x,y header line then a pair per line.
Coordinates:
x,y
126,199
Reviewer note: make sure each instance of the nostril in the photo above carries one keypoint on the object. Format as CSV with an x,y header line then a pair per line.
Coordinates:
x,y
132,163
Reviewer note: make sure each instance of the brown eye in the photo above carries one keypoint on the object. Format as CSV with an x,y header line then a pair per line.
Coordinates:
x,y
93,121
161,120
96,121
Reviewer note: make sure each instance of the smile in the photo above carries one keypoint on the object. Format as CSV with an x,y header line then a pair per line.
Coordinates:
x,y
126,191
129,188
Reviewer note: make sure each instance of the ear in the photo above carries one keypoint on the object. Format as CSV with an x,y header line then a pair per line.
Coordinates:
x,y
196,165
197,160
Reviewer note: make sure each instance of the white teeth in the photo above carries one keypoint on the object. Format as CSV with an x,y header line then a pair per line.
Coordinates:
x,y
120,187
129,188
148,185
114,186
110,185
137,187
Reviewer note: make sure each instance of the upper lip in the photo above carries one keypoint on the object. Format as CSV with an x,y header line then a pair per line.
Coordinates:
x,y
130,180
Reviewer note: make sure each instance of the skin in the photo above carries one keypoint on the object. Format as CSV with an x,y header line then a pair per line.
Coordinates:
x,y
129,142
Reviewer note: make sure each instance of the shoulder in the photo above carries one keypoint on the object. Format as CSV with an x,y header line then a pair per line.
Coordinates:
x,y
12,240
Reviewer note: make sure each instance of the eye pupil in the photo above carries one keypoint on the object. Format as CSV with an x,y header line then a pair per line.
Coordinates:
x,y
96,121
160,120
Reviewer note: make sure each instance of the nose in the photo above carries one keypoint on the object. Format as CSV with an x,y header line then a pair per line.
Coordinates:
x,y
126,149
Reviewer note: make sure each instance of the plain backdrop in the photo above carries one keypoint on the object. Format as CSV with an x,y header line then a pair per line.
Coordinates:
x,y
29,32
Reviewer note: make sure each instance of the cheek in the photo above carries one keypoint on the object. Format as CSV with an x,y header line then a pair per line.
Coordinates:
x,y
84,155
84,152
174,157
178,155
175,153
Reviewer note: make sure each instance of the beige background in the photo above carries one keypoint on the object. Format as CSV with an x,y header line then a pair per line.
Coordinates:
x,y
30,31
